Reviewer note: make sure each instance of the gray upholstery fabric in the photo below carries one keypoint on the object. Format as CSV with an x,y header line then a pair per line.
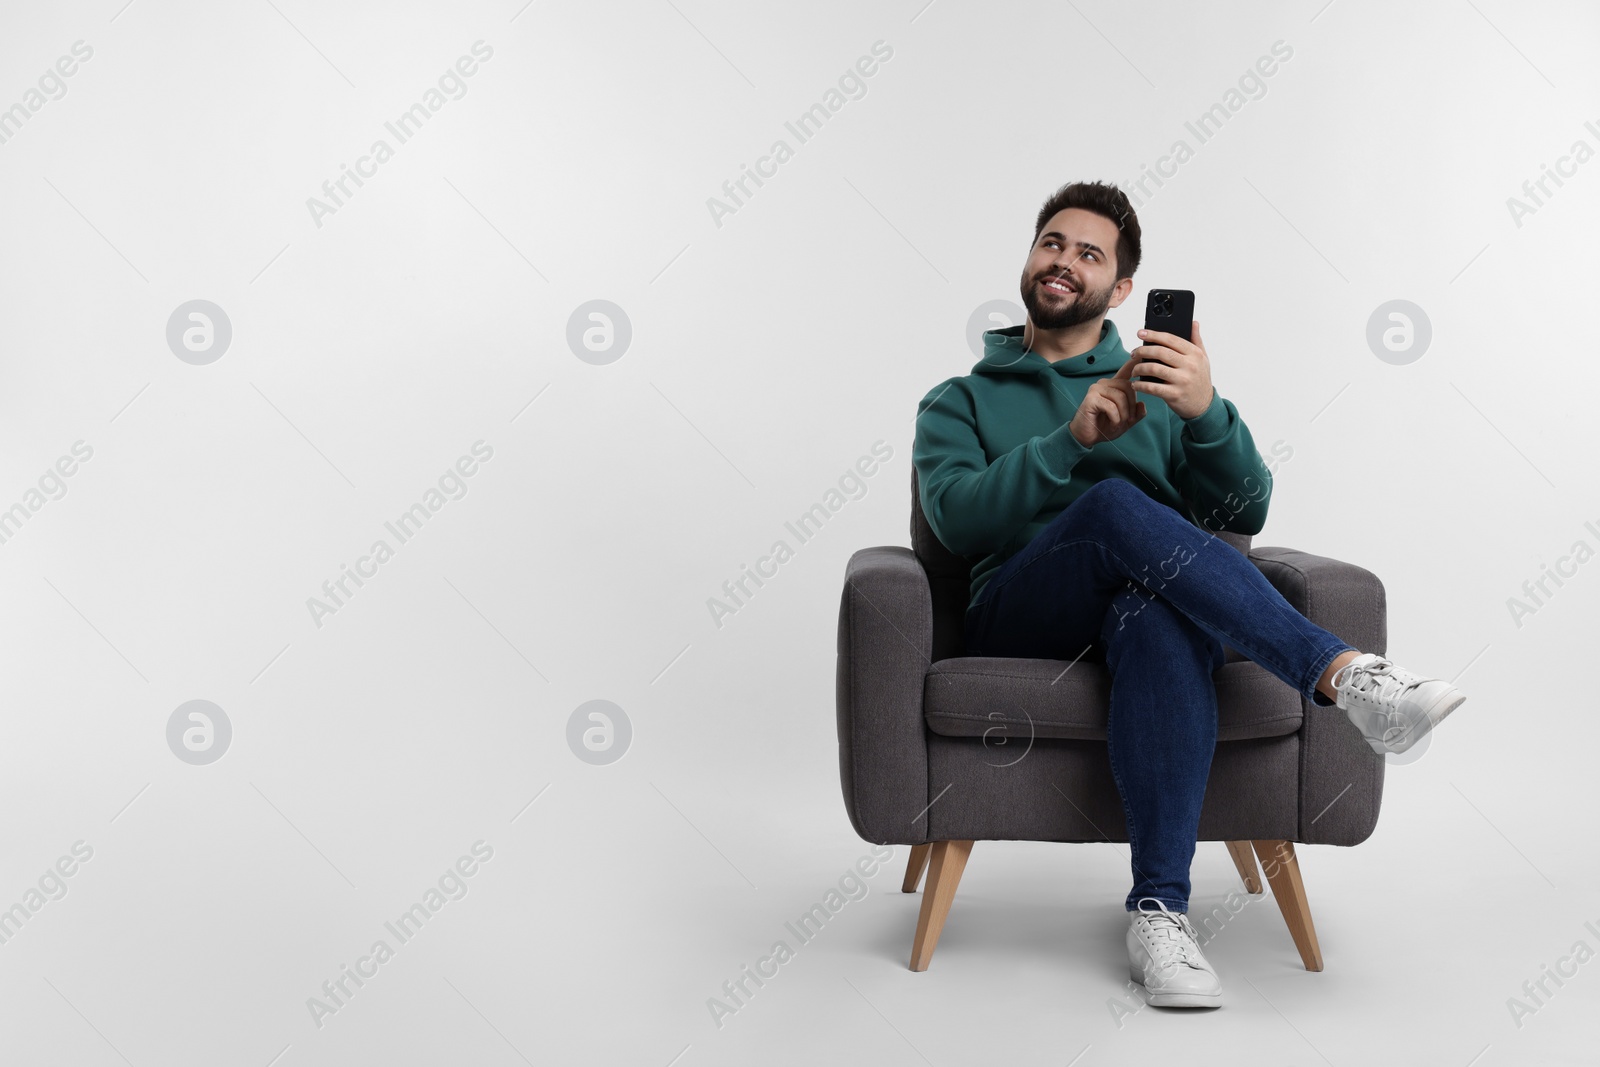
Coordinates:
x,y
937,745
995,697
1063,791
1336,766
885,636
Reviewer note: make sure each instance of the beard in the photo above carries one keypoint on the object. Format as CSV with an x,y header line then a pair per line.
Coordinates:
x,y
1050,310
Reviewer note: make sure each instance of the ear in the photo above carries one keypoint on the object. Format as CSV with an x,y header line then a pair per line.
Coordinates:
x,y
1120,292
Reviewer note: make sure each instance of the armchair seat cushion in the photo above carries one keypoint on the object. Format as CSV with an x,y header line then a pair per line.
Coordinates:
x,y
998,696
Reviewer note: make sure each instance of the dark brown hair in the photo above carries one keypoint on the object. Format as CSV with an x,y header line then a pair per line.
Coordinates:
x,y
1103,199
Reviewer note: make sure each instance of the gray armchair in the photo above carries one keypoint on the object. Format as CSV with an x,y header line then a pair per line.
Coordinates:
x,y
930,738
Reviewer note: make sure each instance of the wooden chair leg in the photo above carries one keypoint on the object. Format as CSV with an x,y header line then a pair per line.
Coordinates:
x,y
946,862
1283,874
914,866
1245,861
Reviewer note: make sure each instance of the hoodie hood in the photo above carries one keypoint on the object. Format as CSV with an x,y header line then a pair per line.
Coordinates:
x,y
1003,354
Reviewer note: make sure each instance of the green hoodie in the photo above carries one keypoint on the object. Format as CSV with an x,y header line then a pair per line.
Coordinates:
x,y
995,461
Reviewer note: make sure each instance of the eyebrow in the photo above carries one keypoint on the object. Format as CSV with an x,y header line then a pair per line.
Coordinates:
x,y
1085,245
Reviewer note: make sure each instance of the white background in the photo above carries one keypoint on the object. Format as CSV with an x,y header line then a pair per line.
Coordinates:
x,y
768,354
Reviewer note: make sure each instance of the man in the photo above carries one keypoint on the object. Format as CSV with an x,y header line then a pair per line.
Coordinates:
x,y
1090,497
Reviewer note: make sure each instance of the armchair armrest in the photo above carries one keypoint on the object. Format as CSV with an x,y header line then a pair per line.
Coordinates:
x,y
1341,778
885,645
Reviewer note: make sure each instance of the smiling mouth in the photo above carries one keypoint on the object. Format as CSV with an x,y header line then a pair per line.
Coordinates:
x,y
1057,287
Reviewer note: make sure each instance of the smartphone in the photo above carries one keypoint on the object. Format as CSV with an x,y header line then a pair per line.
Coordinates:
x,y
1170,311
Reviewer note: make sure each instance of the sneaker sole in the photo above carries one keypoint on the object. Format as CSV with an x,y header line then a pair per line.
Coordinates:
x,y
1443,705
1175,1000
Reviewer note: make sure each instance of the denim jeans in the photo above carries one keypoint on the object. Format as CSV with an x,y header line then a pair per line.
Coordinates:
x,y
1157,597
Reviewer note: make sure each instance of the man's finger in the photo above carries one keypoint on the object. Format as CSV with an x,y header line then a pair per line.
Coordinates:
x,y
1170,340
1106,407
1164,390
1123,400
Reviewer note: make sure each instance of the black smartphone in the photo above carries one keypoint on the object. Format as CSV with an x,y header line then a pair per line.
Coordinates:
x,y
1170,311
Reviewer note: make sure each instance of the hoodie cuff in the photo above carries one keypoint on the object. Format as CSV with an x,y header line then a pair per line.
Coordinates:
x,y
1061,451
1212,423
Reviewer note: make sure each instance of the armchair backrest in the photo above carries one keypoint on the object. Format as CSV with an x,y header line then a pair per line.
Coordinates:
x,y
950,577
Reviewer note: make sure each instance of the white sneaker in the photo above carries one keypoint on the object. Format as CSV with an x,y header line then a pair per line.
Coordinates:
x,y
1164,955
1392,707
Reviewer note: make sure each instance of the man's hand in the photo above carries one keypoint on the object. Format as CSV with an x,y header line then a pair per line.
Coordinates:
x,y
1108,410
1184,370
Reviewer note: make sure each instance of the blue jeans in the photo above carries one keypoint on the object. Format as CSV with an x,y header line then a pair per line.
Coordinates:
x,y
1158,597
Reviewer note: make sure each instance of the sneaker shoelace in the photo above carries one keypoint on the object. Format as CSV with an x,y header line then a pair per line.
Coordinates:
x,y
1175,941
1375,680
